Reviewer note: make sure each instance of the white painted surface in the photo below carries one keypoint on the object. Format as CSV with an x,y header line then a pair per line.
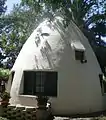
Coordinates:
x,y
79,88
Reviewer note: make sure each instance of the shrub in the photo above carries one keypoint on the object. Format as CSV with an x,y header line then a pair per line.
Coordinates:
x,y
4,74
1,118
5,96
102,118
42,100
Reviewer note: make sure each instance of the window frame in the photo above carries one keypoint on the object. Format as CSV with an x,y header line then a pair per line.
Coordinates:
x,y
44,91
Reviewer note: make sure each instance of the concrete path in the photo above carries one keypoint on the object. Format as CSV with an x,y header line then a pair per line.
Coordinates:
x,y
67,118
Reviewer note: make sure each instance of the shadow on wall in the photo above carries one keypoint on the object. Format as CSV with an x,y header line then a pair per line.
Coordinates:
x,y
46,50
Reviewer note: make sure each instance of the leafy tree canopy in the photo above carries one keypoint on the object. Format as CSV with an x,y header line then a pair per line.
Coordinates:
x,y
3,7
16,28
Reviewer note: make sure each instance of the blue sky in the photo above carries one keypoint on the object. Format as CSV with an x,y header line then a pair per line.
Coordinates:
x,y
10,4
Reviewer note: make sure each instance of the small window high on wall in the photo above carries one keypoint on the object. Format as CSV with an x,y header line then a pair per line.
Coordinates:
x,y
40,83
79,51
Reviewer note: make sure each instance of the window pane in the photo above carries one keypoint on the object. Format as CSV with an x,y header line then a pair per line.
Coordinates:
x,y
104,85
28,82
51,84
38,78
79,55
37,89
12,76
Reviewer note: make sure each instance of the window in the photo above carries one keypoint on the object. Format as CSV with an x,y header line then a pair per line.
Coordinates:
x,y
12,74
104,86
79,55
79,51
102,83
40,83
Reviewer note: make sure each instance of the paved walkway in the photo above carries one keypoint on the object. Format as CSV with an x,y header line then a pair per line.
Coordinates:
x,y
67,118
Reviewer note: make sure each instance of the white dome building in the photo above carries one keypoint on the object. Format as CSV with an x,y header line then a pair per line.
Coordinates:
x,y
58,63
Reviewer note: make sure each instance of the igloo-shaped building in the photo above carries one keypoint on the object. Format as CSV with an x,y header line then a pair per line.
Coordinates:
x,y
59,63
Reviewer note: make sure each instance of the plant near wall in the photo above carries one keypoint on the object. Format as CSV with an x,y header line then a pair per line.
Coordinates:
x,y
42,101
5,96
42,112
4,74
2,118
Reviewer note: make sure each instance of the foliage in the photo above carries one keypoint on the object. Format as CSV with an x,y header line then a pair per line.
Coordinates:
x,y
32,4
17,26
4,74
3,7
101,117
42,100
83,12
5,96
2,118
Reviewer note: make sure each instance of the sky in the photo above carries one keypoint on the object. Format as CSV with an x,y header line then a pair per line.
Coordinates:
x,y
10,4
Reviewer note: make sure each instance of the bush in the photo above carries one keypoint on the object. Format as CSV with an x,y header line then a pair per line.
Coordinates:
x,y
102,118
42,100
1,118
5,96
99,118
4,74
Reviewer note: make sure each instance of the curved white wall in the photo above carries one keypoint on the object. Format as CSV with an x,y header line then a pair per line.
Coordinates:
x,y
79,88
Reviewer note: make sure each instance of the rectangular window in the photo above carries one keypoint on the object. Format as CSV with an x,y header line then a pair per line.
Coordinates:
x,y
104,86
102,83
79,51
79,55
40,83
12,75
